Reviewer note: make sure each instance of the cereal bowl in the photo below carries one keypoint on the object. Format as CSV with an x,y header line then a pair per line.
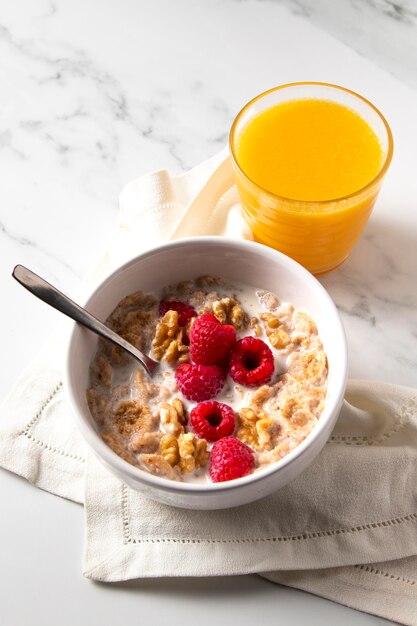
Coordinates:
x,y
234,261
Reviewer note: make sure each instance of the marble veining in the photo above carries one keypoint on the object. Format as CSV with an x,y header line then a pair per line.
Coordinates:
x,y
382,30
402,10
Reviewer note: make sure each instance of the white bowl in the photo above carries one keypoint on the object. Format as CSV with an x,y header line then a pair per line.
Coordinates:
x,y
234,260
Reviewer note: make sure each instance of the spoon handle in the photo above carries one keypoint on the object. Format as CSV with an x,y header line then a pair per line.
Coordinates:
x,y
56,299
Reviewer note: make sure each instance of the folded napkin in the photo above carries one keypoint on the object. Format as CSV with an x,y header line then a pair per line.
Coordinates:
x,y
346,529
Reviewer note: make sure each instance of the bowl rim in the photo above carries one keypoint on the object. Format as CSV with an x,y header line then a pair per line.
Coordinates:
x,y
122,467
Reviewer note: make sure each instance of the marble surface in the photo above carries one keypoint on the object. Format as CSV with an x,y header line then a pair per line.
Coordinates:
x,y
96,93
382,30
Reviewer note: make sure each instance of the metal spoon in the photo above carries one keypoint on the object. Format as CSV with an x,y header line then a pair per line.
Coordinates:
x,y
49,294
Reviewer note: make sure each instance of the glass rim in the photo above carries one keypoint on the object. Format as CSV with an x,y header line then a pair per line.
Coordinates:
x,y
354,194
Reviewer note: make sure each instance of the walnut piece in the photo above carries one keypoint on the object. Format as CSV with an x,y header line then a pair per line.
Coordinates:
x,y
184,455
253,428
256,327
271,322
169,449
229,311
279,338
168,343
275,331
193,452
173,417
187,452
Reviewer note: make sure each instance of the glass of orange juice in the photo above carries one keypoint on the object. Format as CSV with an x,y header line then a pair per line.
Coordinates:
x,y
309,160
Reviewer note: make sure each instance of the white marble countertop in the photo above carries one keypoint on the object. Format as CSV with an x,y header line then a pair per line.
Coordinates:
x,y
97,93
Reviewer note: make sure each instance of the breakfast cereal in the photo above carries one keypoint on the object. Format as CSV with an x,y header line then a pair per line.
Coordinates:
x,y
237,365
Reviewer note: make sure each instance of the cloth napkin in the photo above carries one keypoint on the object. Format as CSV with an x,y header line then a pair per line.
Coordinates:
x,y
346,529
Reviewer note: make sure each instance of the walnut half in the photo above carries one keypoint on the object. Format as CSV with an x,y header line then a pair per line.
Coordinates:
x,y
253,428
168,343
275,331
187,452
229,311
193,452
173,417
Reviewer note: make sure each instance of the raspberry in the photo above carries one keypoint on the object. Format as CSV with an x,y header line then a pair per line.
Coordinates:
x,y
185,311
200,382
212,420
229,459
211,341
251,362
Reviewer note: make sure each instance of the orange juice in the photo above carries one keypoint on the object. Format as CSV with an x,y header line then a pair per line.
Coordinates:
x,y
308,171
309,150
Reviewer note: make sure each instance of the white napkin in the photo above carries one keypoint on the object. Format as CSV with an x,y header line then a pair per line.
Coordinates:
x,y
346,529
